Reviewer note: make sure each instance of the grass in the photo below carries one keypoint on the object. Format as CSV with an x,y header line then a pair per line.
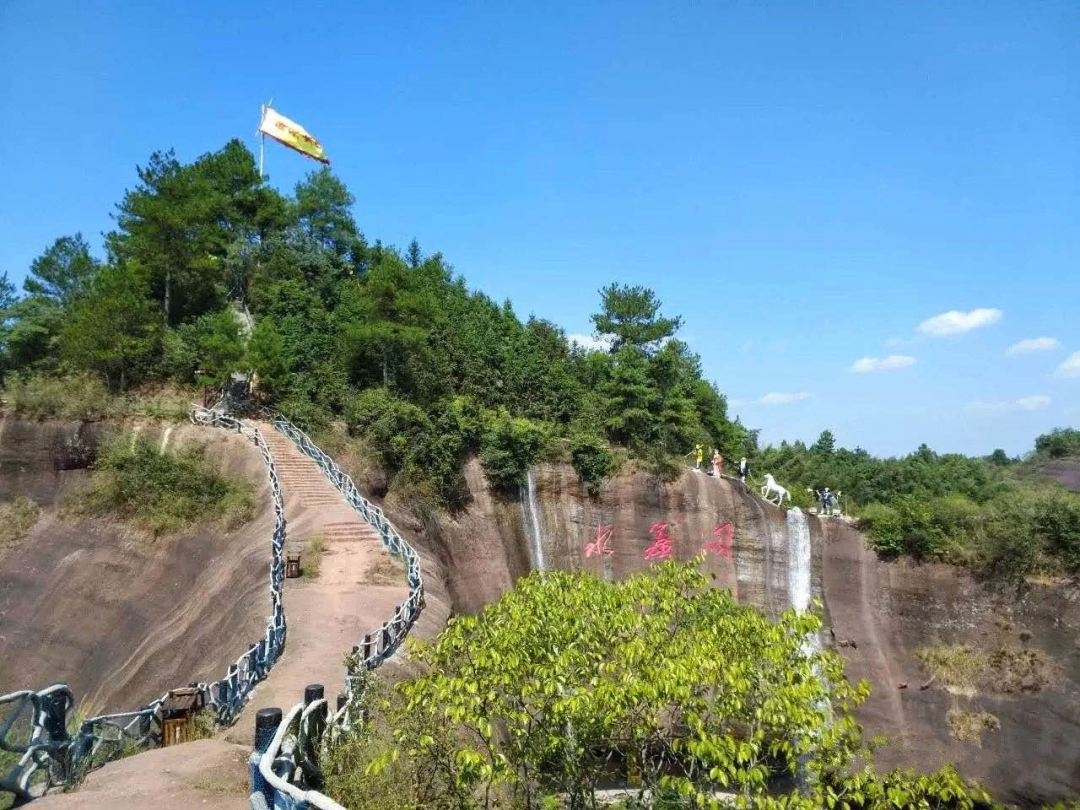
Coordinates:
x,y
79,396
957,667
164,492
203,725
970,726
311,557
231,780
965,671
385,571
1013,671
86,398
16,520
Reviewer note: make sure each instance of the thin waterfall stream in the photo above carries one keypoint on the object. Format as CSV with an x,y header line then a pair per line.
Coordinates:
x,y
799,567
531,512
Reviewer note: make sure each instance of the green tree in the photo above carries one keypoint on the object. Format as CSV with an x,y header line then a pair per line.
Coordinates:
x,y
567,678
266,355
1058,443
180,222
387,321
63,271
32,330
510,446
825,444
323,209
211,343
114,328
629,399
7,301
630,316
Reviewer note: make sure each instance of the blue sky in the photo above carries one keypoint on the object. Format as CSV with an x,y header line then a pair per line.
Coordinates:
x,y
803,182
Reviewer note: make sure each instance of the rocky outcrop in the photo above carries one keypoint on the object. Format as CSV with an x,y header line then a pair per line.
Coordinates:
x,y
895,609
119,616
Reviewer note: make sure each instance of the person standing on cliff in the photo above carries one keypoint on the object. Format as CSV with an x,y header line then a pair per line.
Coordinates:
x,y
744,469
717,463
699,456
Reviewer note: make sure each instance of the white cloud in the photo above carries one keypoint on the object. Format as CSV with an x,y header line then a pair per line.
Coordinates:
x,y
1042,344
953,322
1070,367
1032,403
590,342
865,365
783,399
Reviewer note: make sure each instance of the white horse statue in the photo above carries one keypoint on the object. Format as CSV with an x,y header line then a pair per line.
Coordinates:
x,y
770,488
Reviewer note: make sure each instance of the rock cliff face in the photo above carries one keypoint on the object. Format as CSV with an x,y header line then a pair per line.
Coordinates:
x,y
118,616
878,613
79,600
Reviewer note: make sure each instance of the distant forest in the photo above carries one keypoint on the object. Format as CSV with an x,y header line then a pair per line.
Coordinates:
x,y
209,269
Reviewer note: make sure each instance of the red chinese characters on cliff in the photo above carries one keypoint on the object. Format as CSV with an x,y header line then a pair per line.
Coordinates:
x,y
601,547
723,538
661,544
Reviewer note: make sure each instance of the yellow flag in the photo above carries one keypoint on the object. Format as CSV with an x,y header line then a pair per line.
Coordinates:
x,y
291,134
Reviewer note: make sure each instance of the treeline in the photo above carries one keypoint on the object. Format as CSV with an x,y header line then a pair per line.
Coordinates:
x,y
211,270
992,513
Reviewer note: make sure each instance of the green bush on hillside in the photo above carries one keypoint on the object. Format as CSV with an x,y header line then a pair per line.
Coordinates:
x,y
882,524
77,396
592,459
1059,443
16,520
163,492
509,446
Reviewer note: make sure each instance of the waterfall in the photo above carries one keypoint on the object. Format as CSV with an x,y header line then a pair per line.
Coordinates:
x,y
531,512
165,438
799,566
798,559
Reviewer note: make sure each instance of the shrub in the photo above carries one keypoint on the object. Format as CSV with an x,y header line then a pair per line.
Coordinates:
x,y
311,557
393,428
922,537
592,459
78,396
16,520
509,447
1058,443
882,524
569,677
305,414
163,492
1057,521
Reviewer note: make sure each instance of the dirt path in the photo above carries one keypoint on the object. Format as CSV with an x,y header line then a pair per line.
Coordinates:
x,y
326,616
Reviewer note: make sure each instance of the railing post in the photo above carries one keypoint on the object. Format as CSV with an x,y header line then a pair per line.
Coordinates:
x,y
266,724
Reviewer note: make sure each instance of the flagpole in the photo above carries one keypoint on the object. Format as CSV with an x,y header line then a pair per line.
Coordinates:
x,y
262,138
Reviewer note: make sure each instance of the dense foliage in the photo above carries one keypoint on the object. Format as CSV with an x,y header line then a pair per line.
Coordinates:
x,y
163,491
993,513
569,684
394,344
